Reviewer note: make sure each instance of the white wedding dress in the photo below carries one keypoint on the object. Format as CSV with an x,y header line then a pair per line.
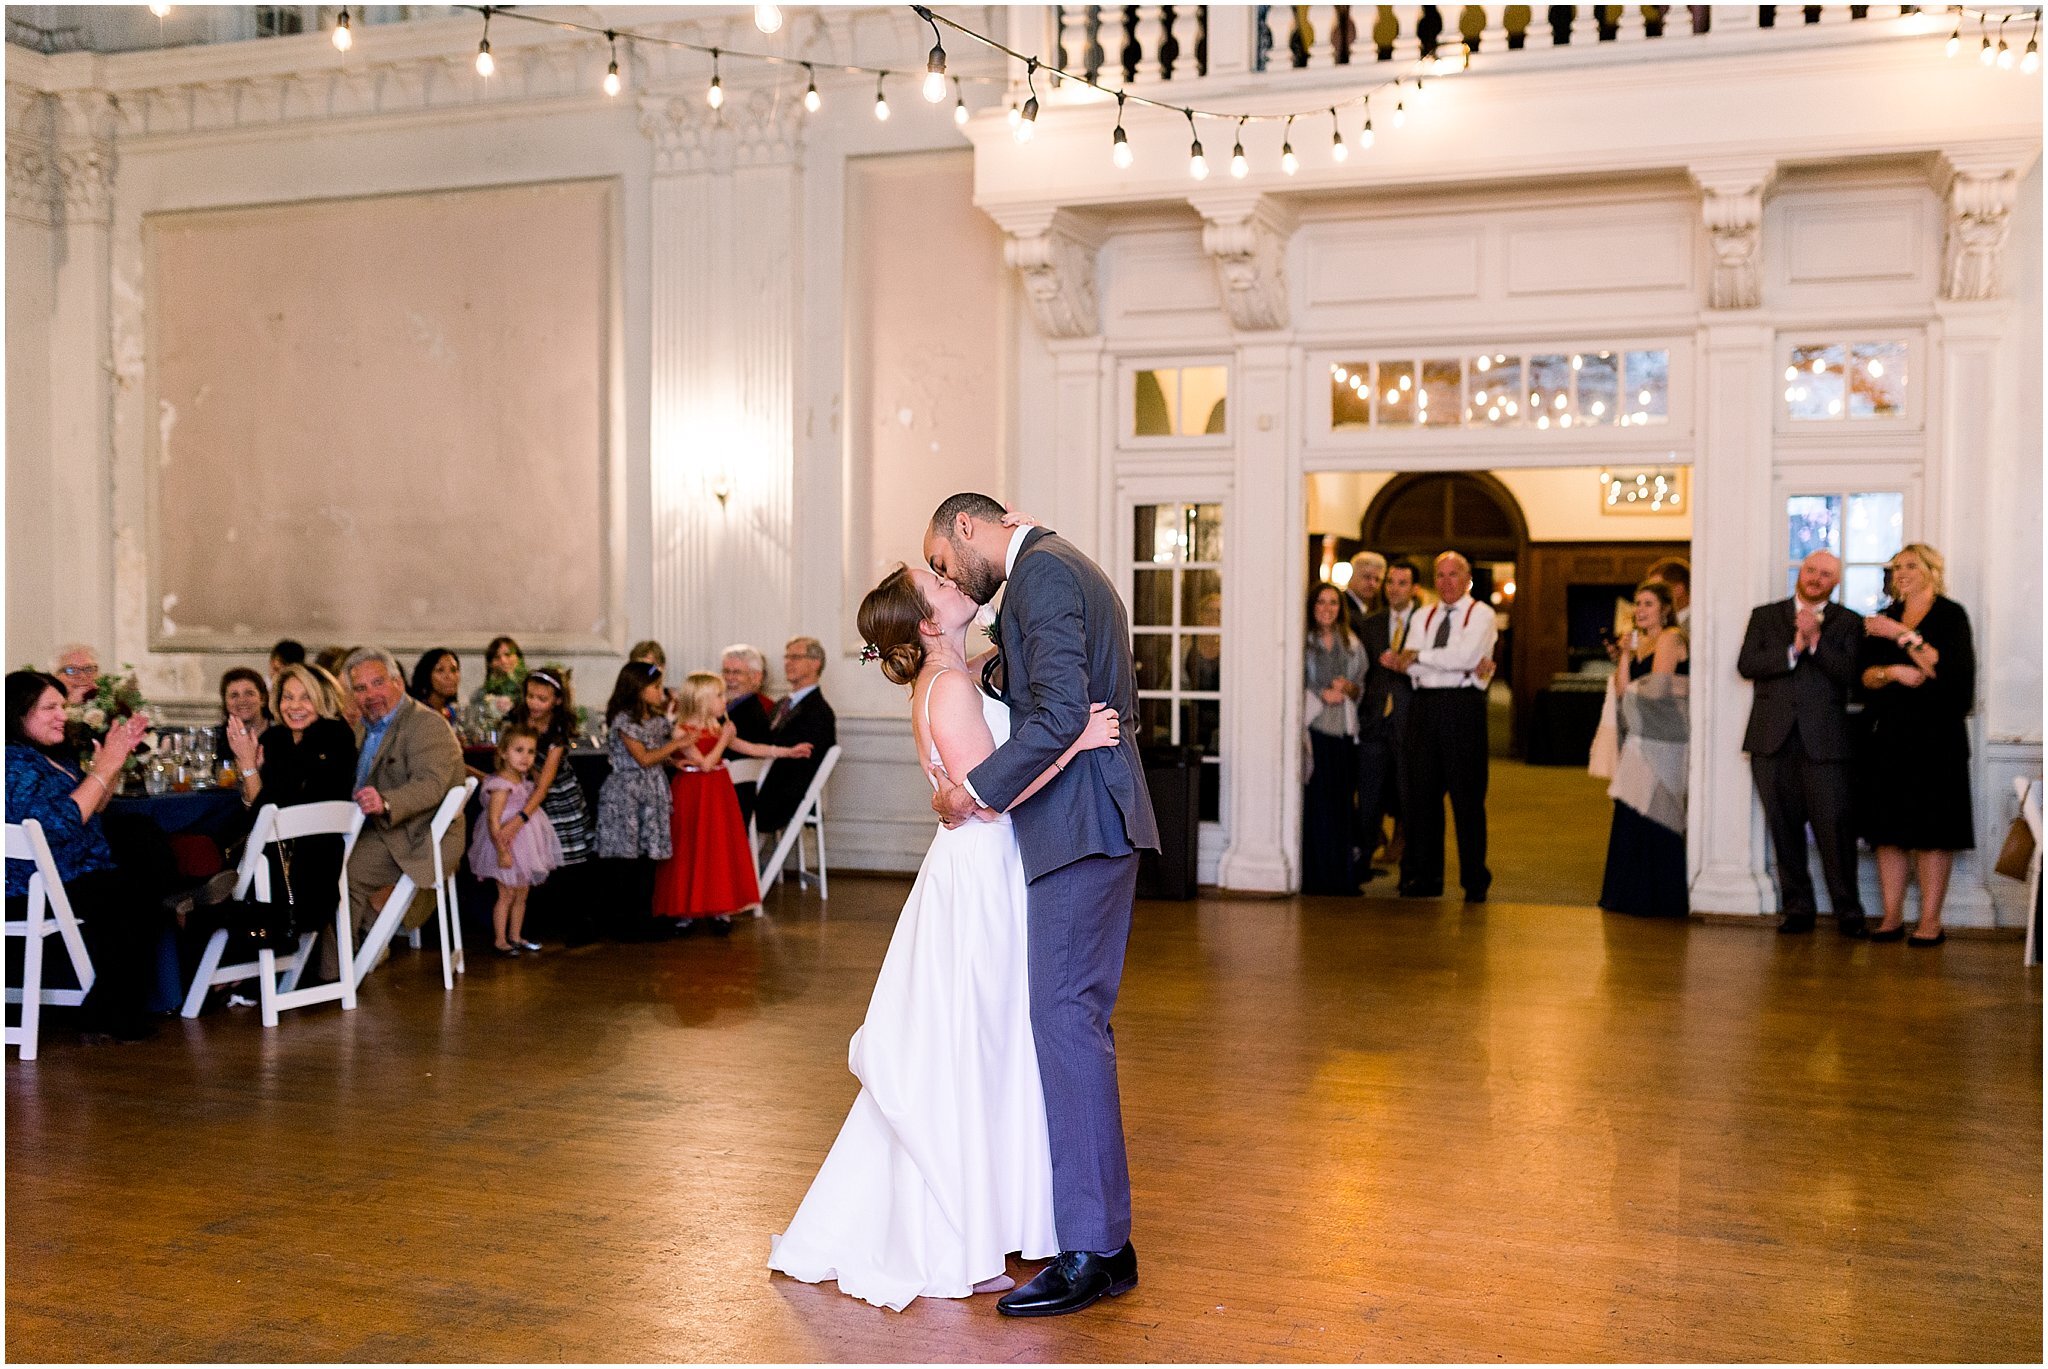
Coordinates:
x,y
943,1166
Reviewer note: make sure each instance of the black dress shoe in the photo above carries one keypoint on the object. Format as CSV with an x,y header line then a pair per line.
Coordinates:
x,y
1077,1279
1897,933
1795,923
1475,895
1854,926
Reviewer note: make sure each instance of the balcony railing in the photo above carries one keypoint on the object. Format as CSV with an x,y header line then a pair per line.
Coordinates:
x,y
1133,44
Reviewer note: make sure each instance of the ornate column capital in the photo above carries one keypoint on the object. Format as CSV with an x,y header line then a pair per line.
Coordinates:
x,y
31,156
1732,205
754,129
1054,250
84,154
1247,234
1979,187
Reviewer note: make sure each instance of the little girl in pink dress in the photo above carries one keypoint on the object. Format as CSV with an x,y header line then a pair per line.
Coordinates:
x,y
515,844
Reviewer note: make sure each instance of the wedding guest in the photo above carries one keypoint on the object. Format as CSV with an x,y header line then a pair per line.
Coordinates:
x,y
1201,666
548,706
709,874
1646,873
1383,719
1801,654
78,666
437,683
407,761
1919,675
515,844
286,652
744,669
340,702
633,806
1676,572
1362,596
330,659
1448,660
118,908
651,653
1334,673
307,756
244,699
504,668
804,718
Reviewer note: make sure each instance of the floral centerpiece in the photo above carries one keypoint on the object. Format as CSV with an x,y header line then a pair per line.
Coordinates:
x,y
501,693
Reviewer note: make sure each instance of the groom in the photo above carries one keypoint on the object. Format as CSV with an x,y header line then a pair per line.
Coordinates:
x,y
1062,643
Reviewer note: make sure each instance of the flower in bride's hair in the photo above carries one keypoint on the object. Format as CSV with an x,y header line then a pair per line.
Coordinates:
x,y
869,653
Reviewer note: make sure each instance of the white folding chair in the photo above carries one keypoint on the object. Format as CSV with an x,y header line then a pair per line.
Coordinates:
x,y
2029,791
49,910
446,908
751,770
810,813
335,818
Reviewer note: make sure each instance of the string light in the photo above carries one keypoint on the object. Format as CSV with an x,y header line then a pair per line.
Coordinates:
x,y
1027,122
959,105
612,83
1289,163
812,101
484,65
1955,37
1400,108
715,97
1198,167
935,63
1985,52
1239,167
768,18
343,39
1338,151
1365,134
2005,54
881,100
1120,141
2031,63
160,11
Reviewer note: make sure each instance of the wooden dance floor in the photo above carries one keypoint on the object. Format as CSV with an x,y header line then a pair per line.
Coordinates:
x,y
1359,1130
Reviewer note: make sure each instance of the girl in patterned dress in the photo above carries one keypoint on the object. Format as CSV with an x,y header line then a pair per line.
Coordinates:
x,y
633,807
548,707
513,845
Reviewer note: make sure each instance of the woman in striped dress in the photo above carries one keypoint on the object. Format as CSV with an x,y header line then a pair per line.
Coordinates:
x,y
564,902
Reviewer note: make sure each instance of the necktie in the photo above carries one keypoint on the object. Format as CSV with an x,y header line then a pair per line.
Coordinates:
x,y
782,712
1443,631
1400,629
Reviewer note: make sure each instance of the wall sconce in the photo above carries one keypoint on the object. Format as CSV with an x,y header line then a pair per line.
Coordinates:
x,y
721,486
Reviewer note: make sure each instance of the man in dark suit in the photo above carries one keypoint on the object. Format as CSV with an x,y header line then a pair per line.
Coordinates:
x,y
1063,642
1801,653
802,717
749,710
1383,712
1362,596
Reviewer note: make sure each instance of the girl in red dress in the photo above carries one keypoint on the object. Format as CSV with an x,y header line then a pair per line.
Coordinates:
x,y
711,871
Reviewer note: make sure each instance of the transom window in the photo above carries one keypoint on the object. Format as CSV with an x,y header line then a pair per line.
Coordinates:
x,y
1180,401
1176,569
1826,381
1585,389
1865,528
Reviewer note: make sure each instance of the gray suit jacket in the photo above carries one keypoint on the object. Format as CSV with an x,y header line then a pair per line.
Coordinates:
x,y
417,763
1065,644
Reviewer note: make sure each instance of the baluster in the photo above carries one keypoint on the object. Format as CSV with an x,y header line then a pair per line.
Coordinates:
x,y
1702,18
1514,19
1606,22
1169,45
1653,20
1262,37
1561,18
1131,53
1201,40
1092,54
1859,11
1386,31
1322,36
1766,16
1429,31
1812,13
1482,28
1146,35
1072,27
1343,35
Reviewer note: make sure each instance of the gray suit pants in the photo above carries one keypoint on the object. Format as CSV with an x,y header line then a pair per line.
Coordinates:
x,y
1080,922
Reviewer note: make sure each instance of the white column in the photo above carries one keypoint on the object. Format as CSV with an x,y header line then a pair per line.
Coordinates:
x,y
80,454
1262,533
1073,484
33,561
725,258
1732,573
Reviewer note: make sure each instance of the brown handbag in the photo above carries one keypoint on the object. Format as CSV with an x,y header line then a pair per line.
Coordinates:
x,y
2016,857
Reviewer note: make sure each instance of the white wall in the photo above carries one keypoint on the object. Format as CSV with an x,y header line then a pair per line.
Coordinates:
x,y
1559,504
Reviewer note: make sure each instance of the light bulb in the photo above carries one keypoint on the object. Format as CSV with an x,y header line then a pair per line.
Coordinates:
x,y
1198,166
1120,148
812,102
1400,114
715,97
1015,115
881,107
960,111
2005,57
1338,151
768,18
1288,161
484,65
1026,126
160,11
612,83
343,39
2031,63
1955,41
1365,135
1986,53
934,86
1239,167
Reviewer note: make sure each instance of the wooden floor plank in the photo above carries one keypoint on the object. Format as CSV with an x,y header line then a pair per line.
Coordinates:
x,y
1359,1130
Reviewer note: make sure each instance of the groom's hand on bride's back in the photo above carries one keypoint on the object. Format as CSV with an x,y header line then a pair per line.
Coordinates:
x,y
953,804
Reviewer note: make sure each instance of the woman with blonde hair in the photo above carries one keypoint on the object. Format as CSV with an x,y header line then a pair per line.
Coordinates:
x,y
307,756
1919,663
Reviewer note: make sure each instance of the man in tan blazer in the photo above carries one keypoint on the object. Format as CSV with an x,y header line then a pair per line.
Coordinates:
x,y
408,760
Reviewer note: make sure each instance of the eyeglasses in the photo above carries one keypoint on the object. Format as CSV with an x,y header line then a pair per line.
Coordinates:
x,y
79,672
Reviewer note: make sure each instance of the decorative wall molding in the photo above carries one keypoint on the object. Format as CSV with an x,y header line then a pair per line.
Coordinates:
x,y
754,129
1979,190
1054,250
83,160
31,159
1732,205
1247,235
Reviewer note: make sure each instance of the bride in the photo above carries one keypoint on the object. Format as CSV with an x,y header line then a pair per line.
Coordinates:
x,y
943,1167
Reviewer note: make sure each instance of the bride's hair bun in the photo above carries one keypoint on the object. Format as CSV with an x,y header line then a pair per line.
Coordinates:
x,y
889,618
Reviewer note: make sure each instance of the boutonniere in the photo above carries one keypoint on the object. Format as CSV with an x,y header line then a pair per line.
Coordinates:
x,y
991,620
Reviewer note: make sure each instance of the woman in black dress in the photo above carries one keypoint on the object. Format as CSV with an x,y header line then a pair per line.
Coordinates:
x,y
1646,873
1920,680
309,756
